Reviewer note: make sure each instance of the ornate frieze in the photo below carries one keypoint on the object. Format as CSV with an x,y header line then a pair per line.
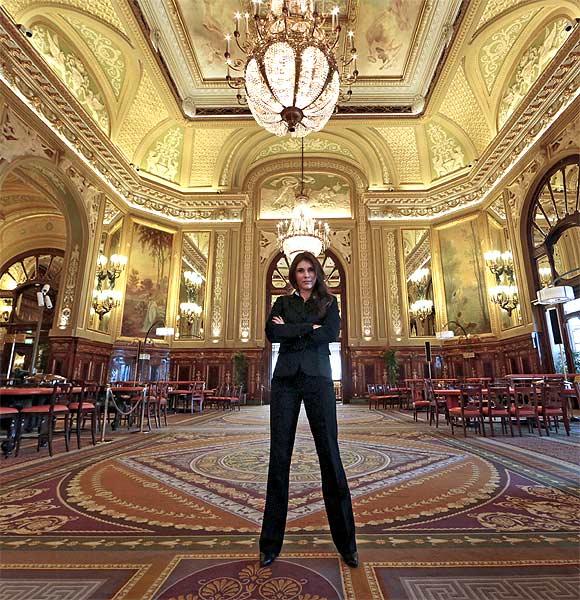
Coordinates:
x,y
394,302
218,286
312,144
68,295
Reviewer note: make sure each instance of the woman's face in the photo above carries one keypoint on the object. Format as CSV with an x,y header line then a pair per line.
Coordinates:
x,y
305,276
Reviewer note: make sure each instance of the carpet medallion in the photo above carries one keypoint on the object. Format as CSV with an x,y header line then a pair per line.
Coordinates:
x,y
176,514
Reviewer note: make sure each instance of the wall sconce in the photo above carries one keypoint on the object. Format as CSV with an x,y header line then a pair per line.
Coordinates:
x,y
422,309
545,274
110,268
5,311
505,292
505,296
500,264
105,300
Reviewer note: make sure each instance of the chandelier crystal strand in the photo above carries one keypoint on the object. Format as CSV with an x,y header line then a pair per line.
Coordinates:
x,y
291,76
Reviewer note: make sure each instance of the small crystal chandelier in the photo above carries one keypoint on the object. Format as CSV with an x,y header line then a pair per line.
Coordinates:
x,y
421,309
291,75
302,233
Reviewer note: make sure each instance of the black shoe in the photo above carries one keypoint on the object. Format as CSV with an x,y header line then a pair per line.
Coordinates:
x,y
267,558
351,559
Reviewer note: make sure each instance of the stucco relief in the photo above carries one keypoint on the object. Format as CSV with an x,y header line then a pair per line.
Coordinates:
x,y
17,139
341,242
164,158
531,65
109,55
328,194
446,153
72,71
218,286
90,195
68,295
268,241
312,144
394,302
494,51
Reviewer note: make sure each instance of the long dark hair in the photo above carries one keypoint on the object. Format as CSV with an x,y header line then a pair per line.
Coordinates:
x,y
320,294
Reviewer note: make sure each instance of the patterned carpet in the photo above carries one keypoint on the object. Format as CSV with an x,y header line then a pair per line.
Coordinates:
x,y
176,514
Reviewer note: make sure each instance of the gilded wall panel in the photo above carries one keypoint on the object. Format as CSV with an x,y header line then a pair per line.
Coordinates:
x,y
218,286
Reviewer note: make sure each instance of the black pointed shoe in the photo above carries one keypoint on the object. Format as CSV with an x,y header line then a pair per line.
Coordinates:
x,y
267,558
351,559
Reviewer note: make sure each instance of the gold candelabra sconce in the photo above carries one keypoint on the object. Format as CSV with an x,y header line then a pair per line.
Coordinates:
x,y
104,301
423,307
109,269
545,274
505,292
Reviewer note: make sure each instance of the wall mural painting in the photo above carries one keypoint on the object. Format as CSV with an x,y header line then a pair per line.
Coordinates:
x,y
385,34
329,195
208,21
147,280
464,276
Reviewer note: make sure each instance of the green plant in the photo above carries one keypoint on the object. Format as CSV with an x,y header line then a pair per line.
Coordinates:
x,y
240,369
392,366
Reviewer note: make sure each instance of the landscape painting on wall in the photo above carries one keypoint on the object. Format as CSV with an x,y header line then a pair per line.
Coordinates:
x,y
329,195
464,277
147,280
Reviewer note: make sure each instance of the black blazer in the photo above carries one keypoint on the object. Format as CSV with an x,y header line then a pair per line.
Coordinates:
x,y
301,346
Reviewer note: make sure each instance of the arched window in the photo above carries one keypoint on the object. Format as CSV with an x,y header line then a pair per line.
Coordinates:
x,y
554,246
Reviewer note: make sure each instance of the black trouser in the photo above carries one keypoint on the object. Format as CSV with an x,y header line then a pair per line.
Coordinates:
x,y
320,403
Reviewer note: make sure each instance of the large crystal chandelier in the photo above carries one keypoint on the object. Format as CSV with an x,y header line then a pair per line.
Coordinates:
x,y
302,233
291,74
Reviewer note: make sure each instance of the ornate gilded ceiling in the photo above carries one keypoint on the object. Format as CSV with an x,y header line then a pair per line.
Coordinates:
x,y
399,44
473,62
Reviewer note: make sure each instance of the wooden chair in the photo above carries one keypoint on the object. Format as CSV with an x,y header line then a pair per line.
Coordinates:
x,y
437,404
470,408
526,399
83,408
498,406
7,412
553,406
236,397
197,396
420,402
48,413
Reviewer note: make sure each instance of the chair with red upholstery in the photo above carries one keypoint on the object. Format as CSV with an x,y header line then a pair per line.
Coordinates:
x,y
49,414
470,409
418,401
554,404
526,399
82,408
498,407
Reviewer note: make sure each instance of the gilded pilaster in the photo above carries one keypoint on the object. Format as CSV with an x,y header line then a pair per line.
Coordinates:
x,y
218,286
393,283
245,279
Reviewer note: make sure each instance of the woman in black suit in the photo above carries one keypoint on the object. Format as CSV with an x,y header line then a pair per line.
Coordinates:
x,y
304,323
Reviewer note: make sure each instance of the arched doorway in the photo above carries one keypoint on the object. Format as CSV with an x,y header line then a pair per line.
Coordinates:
x,y
552,230
26,323
278,284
